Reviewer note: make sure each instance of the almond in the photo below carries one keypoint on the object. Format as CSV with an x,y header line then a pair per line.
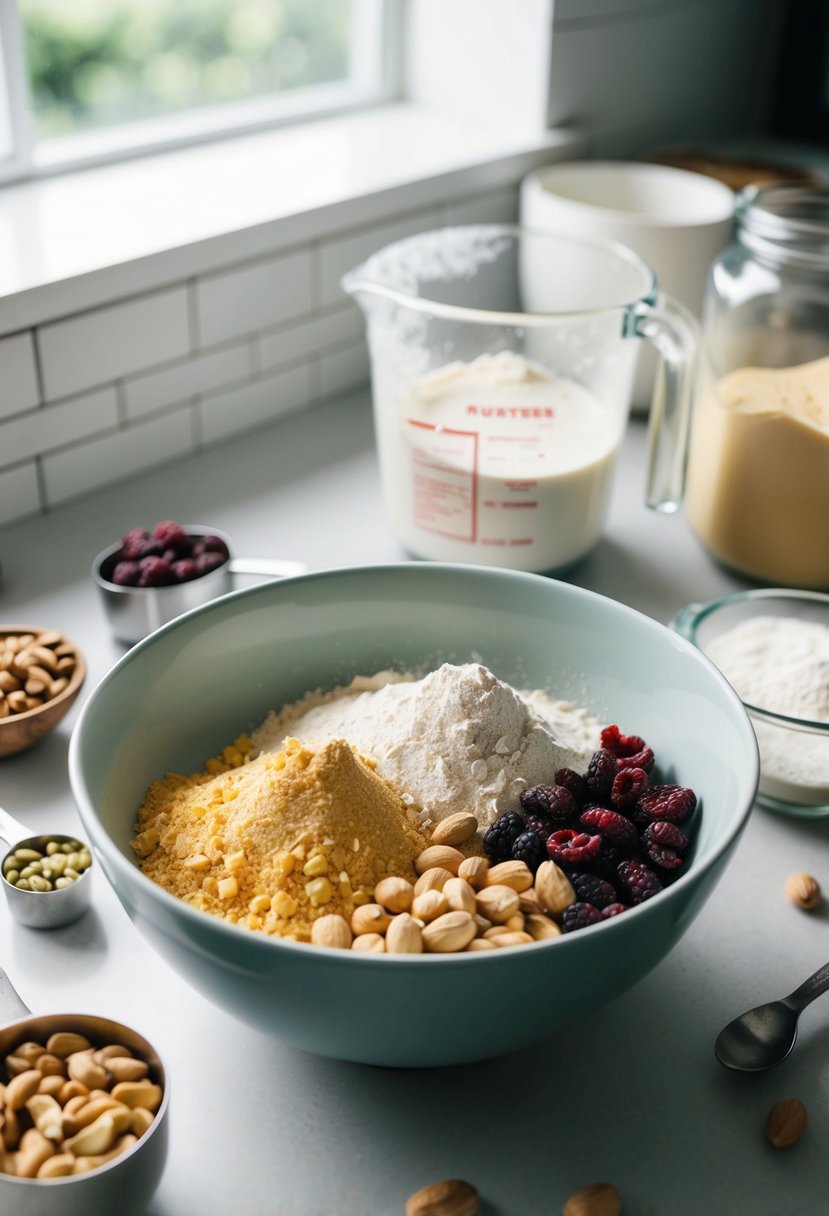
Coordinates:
x,y
497,903
786,1122
430,905
329,930
433,879
450,932
450,1198
394,894
804,890
515,874
474,870
513,937
553,888
369,918
600,1199
455,829
404,935
459,895
442,855
540,928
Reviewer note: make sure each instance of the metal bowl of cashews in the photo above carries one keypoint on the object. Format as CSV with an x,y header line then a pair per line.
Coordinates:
x,y
83,1114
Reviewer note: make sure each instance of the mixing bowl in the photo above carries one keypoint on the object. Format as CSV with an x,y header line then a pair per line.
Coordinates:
x,y
182,694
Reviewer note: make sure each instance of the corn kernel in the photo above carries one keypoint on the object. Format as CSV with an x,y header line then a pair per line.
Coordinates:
x,y
197,861
210,886
316,865
284,864
319,891
228,888
359,898
259,904
253,921
234,862
199,812
283,904
146,841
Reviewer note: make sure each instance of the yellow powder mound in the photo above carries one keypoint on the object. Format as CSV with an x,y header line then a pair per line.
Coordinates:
x,y
279,840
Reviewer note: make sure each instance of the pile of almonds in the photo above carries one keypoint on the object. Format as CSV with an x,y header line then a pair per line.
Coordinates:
x,y
67,1107
457,903
34,668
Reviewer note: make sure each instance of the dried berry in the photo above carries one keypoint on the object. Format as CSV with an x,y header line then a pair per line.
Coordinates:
x,y
631,751
529,848
212,544
567,847
185,569
664,844
155,572
578,916
611,910
611,825
628,784
638,880
172,536
593,889
501,835
126,574
574,782
209,561
601,770
672,802
553,804
132,543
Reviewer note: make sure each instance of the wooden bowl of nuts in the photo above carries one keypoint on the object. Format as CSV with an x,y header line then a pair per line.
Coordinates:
x,y
41,674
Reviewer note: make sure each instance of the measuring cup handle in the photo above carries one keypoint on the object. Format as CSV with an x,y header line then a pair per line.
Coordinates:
x,y
674,333
11,1006
265,568
10,830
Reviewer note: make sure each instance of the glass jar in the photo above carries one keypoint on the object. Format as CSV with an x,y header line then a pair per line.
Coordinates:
x,y
758,471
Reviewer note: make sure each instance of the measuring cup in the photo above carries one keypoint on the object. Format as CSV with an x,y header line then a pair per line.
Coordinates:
x,y
127,1183
502,364
42,909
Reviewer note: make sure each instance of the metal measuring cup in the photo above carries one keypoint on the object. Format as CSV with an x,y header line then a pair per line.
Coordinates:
x,y
124,1185
42,909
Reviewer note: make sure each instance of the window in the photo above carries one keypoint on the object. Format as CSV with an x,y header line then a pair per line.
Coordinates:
x,y
92,80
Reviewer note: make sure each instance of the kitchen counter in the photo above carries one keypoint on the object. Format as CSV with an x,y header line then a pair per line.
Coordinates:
x,y
631,1094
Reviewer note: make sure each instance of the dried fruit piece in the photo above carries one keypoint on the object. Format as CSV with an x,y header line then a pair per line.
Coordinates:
x,y
574,782
804,890
594,889
638,880
630,751
601,771
600,1199
502,834
568,847
610,824
530,849
786,1122
552,804
664,844
675,803
454,1197
628,784
578,916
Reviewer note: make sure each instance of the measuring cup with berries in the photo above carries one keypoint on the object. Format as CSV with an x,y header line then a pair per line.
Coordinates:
x,y
150,577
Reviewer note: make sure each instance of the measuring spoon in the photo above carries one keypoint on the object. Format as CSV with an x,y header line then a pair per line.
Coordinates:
x,y
762,1037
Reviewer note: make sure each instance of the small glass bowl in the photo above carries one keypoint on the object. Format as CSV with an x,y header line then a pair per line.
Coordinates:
x,y
794,752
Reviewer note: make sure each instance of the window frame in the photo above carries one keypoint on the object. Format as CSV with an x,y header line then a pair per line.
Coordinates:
x,y
375,79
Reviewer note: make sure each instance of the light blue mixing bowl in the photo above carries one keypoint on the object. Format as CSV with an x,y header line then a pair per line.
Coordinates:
x,y
191,687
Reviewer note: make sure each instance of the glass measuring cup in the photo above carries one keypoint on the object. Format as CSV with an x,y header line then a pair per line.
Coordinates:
x,y
502,371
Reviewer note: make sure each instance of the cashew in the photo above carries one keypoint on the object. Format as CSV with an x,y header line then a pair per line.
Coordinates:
x,y
47,1116
34,1150
21,1088
65,1042
138,1093
83,1068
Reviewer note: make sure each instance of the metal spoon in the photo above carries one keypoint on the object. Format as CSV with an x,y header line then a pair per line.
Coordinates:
x,y
764,1036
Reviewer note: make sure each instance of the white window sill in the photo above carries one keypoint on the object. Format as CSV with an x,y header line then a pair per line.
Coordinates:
x,y
74,242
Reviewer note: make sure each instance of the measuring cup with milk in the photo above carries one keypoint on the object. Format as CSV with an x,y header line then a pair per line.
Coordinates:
x,y
502,370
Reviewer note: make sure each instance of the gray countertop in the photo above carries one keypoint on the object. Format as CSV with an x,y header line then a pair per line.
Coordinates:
x,y
632,1094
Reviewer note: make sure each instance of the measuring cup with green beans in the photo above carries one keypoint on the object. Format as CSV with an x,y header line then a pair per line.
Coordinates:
x,y
46,878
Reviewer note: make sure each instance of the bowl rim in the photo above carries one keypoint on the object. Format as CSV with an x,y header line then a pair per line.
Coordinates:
x,y
109,853
74,686
689,619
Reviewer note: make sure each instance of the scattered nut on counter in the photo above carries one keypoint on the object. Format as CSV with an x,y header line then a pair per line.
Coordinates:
x,y
58,865
600,1199
67,1107
34,668
452,1197
786,1122
804,891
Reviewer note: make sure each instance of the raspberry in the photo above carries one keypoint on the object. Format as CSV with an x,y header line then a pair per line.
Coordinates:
x,y
638,880
209,561
664,844
611,825
172,536
631,751
592,889
574,782
132,543
126,574
185,569
672,802
502,835
578,916
600,773
530,849
612,910
553,804
155,572
568,847
628,784
213,544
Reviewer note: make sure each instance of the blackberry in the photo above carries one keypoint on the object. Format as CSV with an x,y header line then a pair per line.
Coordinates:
x,y
574,782
570,848
611,825
578,916
674,803
592,889
628,784
501,835
553,804
601,770
638,880
529,848
541,827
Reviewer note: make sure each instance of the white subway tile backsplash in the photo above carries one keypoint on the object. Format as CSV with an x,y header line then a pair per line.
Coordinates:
x,y
345,253
54,426
291,342
113,457
343,369
225,414
173,384
18,375
18,494
253,297
108,343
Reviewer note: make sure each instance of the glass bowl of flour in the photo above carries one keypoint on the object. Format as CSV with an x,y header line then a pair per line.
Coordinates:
x,y
772,645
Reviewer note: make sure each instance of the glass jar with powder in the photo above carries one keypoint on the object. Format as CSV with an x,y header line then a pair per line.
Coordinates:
x,y
758,473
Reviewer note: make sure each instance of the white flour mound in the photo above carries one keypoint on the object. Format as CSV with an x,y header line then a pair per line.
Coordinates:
x,y
459,739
